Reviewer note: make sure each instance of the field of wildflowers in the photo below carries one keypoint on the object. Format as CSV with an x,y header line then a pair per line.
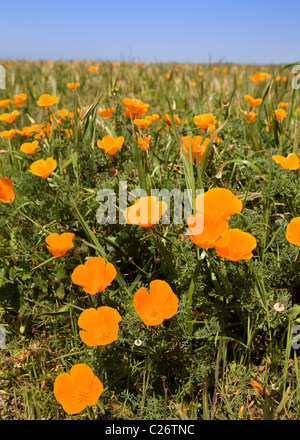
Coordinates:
x,y
149,241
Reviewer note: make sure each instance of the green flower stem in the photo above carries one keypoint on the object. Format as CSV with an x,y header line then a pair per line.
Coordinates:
x,y
191,291
44,262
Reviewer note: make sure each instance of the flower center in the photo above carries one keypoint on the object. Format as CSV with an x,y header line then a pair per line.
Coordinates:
x,y
235,254
102,335
154,314
82,395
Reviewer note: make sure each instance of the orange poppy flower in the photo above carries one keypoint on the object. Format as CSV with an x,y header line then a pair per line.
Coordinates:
x,y
298,111
78,389
43,168
292,162
135,108
47,100
34,128
95,275
63,114
154,117
283,104
241,411
168,121
198,146
19,99
142,123
93,69
293,231
7,194
100,326
59,245
218,201
159,304
280,113
235,245
251,116
9,117
253,102
106,113
205,120
254,78
145,212
259,76
42,131
29,147
73,85
55,119
110,144
8,134
143,141
258,387
4,103
205,229
29,131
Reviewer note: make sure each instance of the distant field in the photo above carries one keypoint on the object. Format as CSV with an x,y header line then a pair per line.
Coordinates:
x,y
178,302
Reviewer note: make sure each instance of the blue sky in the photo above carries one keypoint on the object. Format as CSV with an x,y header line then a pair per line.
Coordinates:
x,y
238,31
